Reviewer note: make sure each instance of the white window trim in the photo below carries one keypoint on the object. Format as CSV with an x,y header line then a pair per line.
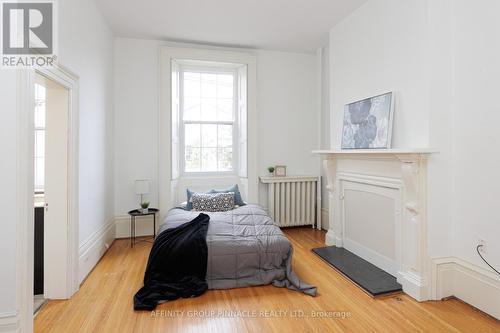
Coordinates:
x,y
166,186
181,122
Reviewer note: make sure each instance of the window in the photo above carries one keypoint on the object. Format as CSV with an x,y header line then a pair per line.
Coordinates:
x,y
208,119
201,87
39,158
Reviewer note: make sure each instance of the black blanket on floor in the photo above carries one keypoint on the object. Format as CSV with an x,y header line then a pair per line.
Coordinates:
x,y
177,265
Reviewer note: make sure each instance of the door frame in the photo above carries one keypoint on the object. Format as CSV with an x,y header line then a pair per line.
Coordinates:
x,y
25,185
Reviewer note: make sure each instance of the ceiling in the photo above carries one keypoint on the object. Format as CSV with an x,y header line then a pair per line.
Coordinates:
x,y
287,25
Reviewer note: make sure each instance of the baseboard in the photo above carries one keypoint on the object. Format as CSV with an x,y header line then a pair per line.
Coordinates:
x,y
472,284
9,322
94,247
414,285
143,226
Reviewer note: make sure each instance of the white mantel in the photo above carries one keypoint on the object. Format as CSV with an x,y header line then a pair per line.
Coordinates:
x,y
405,172
394,151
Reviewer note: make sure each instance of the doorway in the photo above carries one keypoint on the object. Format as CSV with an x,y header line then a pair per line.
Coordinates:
x,y
51,114
60,235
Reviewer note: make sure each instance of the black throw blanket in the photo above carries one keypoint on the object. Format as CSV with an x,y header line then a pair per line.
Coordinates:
x,y
177,265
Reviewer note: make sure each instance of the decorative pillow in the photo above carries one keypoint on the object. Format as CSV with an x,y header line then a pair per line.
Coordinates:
x,y
237,195
190,193
216,202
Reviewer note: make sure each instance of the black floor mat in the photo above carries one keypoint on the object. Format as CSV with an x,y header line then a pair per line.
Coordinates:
x,y
368,276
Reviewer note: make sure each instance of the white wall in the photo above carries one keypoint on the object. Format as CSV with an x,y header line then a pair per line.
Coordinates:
x,y
9,206
325,119
86,50
288,113
439,179
136,103
377,49
285,100
326,124
476,136
443,60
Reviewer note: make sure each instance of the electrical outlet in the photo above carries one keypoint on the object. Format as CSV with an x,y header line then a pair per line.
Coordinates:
x,y
482,245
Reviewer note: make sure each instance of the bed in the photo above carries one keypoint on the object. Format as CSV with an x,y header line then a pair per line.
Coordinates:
x,y
245,248
195,251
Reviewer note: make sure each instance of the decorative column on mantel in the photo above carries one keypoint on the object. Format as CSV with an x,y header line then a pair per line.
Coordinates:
x,y
413,273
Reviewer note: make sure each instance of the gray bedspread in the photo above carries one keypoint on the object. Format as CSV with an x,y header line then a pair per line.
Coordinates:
x,y
245,248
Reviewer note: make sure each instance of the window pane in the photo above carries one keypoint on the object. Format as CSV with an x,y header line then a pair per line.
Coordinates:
x,y
225,86
208,85
40,114
225,136
39,173
39,105
208,110
191,84
193,159
192,135
209,159
225,109
225,159
209,136
39,91
39,143
191,108
208,97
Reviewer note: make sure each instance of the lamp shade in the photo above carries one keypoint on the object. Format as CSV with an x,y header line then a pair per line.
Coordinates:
x,y
142,186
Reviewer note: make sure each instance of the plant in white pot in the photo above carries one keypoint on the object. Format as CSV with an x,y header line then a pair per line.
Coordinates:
x,y
270,170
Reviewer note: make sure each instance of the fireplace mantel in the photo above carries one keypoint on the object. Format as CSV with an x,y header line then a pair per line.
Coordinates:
x,y
401,169
395,151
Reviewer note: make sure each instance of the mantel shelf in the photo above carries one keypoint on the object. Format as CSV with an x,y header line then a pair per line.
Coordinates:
x,y
395,151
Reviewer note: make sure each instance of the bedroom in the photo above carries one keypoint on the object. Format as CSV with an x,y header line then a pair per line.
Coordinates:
x,y
169,96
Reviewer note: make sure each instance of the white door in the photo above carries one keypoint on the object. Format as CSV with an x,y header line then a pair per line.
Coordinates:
x,y
56,190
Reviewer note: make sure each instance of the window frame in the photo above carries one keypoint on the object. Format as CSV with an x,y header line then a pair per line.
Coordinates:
x,y
211,69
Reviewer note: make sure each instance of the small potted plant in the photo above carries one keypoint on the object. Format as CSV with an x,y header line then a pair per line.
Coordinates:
x,y
270,170
144,206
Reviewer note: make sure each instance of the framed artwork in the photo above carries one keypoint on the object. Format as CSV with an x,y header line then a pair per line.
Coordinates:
x,y
368,123
280,171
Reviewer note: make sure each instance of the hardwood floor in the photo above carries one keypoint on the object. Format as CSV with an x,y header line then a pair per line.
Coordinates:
x,y
104,303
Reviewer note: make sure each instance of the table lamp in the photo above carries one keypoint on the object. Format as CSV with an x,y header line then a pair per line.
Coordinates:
x,y
141,188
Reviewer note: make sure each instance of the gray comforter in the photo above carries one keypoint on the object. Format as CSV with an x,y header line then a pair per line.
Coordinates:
x,y
245,248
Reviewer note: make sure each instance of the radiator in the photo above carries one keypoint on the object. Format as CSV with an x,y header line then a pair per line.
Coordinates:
x,y
294,200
